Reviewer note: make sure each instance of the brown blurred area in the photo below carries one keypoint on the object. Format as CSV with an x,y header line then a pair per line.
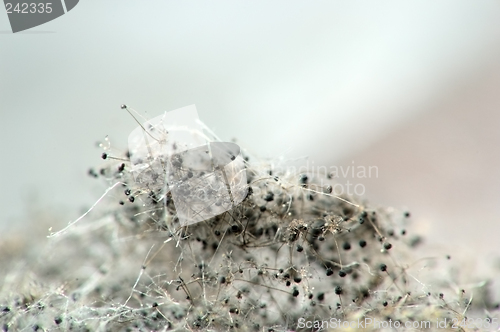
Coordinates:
x,y
444,166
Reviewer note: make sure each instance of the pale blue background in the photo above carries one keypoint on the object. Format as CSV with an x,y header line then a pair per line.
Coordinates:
x,y
320,78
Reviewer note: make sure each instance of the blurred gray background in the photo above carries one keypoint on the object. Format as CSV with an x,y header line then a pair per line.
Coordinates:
x,y
411,87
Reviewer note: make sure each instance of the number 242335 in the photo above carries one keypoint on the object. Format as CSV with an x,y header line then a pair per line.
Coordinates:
x,y
26,8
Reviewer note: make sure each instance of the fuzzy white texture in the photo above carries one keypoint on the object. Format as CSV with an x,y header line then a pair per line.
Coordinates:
x,y
291,250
